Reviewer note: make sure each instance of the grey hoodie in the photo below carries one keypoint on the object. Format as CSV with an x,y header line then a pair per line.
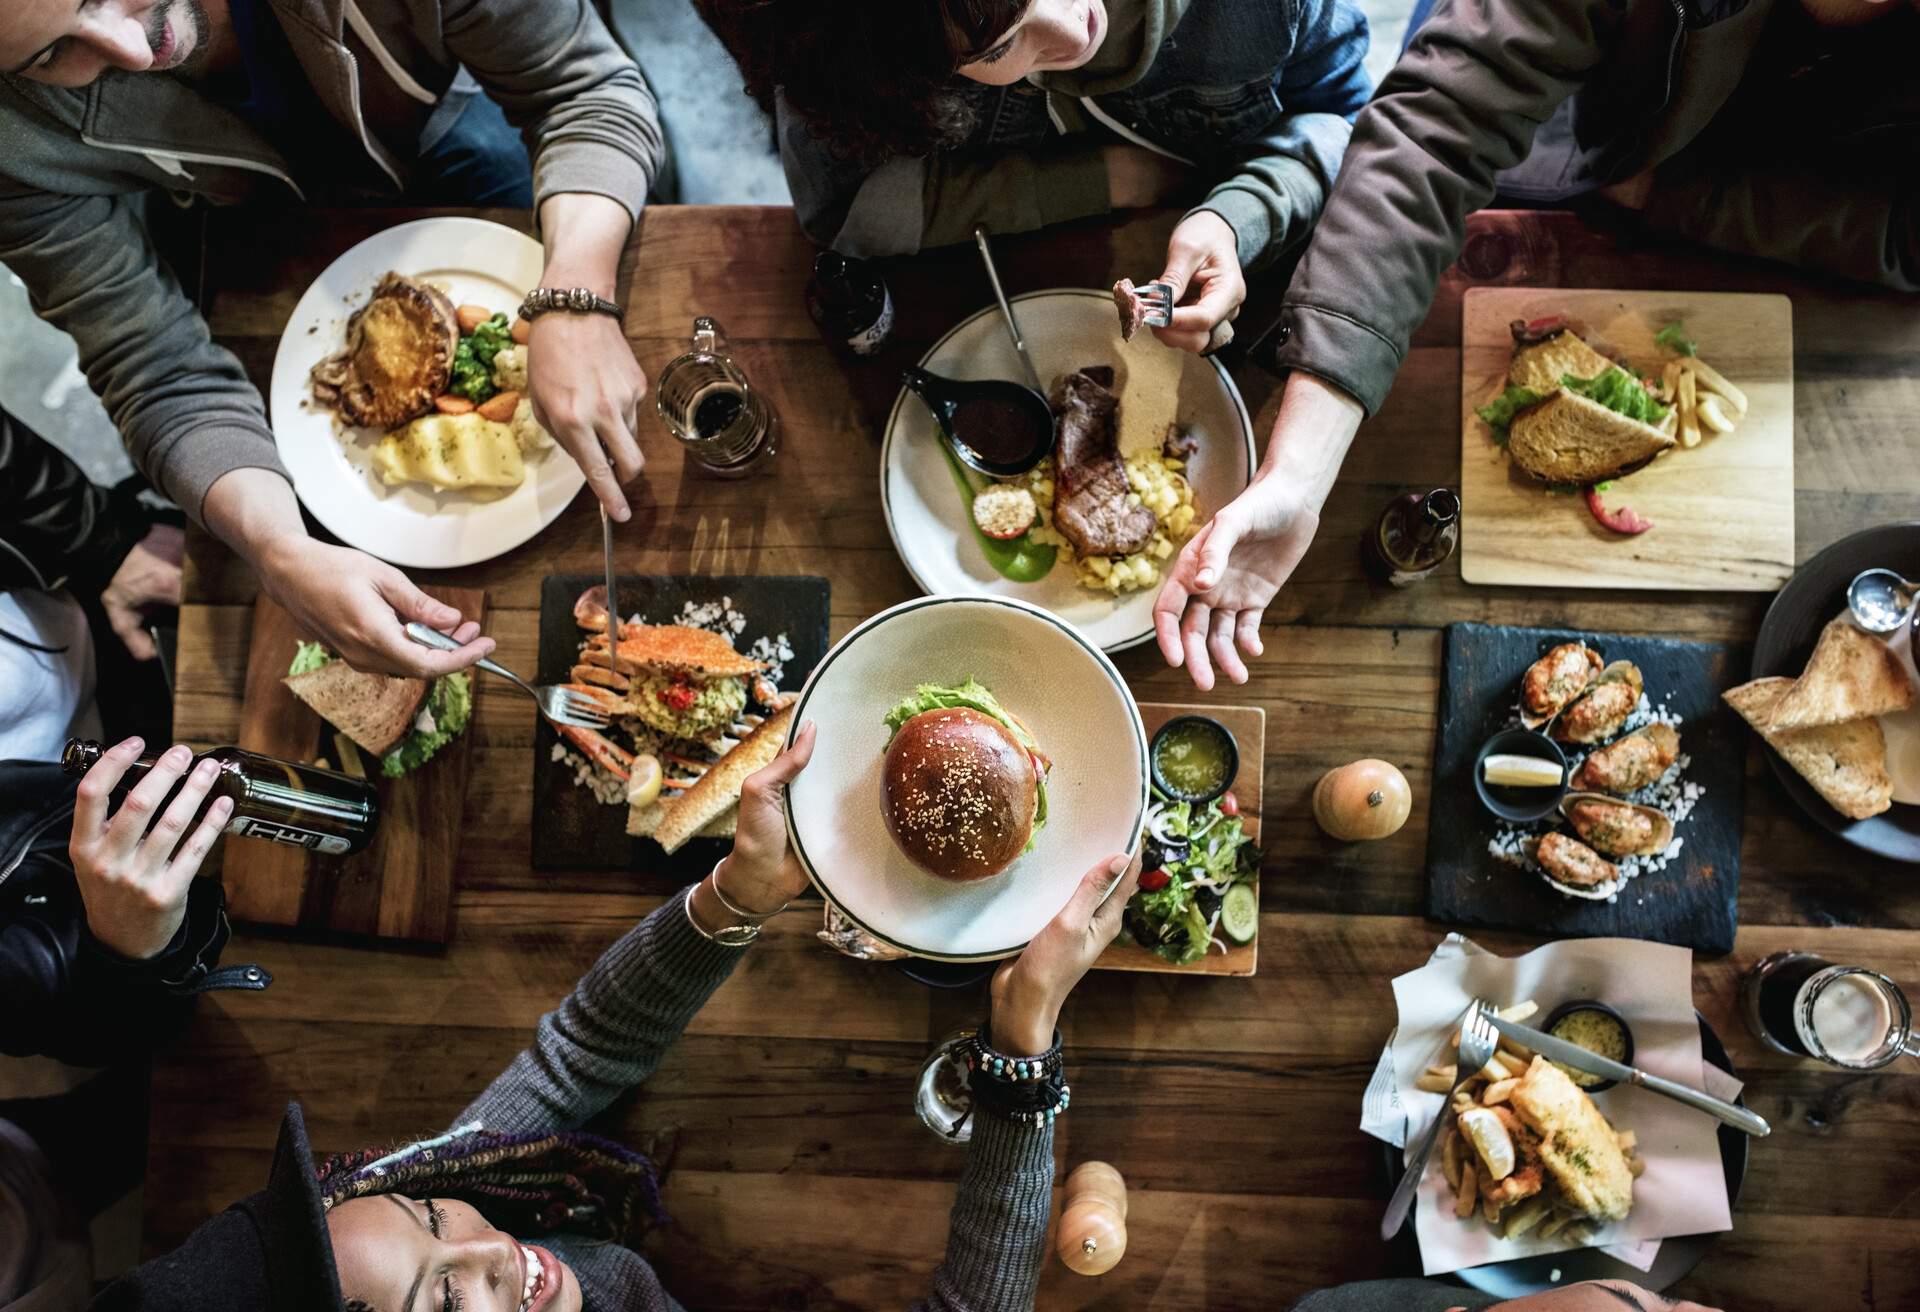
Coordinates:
x,y
79,166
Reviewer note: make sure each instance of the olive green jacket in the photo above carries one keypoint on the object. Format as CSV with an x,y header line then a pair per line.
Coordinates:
x,y
78,166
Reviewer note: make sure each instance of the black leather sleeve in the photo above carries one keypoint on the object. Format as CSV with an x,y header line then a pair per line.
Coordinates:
x,y
57,528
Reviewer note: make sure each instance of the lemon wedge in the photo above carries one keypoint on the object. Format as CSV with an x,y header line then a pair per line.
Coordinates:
x,y
1490,1139
1523,771
643,783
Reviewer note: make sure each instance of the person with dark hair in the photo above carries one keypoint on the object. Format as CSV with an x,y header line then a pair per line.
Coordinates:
x,y
515,1209
903,126
1785,129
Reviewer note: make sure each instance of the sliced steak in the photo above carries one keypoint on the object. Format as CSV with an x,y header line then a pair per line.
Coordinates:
x,y
1133,309
1090,505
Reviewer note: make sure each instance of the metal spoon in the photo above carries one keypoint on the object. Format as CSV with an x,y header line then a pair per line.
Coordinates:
x,y
1881,601
1006,311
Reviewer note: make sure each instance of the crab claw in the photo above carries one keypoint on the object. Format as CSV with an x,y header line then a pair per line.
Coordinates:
x,y
600,676
603,752
590,609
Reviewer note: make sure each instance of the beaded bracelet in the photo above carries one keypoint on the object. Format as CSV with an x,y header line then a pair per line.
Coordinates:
x,y
1025,1090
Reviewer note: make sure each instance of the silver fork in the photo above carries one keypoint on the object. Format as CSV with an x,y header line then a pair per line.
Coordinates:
x,y
1157,299
1477,1042
559,704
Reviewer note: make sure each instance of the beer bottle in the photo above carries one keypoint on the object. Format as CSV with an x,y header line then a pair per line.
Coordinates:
x,y
280,801
848,300
1412,536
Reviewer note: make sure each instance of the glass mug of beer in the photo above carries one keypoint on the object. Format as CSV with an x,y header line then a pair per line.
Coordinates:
x,y
1847,1016
707,403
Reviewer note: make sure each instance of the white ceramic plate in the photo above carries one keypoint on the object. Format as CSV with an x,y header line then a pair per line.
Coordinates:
x,y
1044,671
1066,329
474,262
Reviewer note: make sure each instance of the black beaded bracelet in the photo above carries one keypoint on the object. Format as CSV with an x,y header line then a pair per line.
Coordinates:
x,y
1028,1090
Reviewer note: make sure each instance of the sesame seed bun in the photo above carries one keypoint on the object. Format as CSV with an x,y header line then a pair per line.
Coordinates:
x,y
959,794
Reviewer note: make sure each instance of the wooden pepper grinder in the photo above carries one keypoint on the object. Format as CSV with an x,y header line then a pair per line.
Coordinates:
x,y
1093,1220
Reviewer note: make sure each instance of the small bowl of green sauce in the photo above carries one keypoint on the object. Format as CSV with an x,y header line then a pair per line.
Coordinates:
x,y
1193,759
1596,1027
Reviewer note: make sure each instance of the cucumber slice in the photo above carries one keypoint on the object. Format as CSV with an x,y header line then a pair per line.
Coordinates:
x,y
1240,913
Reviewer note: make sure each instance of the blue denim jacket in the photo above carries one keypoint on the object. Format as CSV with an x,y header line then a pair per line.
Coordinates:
x,y
1257,95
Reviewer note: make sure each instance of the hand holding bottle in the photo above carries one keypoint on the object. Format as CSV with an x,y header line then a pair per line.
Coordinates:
x,y
134,867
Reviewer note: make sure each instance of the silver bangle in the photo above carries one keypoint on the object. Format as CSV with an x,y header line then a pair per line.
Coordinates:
x,y
728,936
751,917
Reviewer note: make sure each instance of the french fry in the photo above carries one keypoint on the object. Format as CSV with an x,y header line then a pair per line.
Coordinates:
x,y
1510,1050
1498,1091
1712,416
1490,1210
1689,422
1635,1166
1450,1156
1496,1069
1463,1101
1712,379
1519,1011
1524,1217
1432,1083
1554,1224
1468,1192
1580,1233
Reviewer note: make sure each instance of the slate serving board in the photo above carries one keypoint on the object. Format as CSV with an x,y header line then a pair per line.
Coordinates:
x,y
1693,901
572,829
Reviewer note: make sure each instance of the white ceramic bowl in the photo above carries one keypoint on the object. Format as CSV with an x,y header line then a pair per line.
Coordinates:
x,y
477,263
1065,329
1043,670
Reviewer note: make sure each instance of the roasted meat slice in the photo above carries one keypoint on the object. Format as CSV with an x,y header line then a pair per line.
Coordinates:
x,y
399,356
1091,508
1132,307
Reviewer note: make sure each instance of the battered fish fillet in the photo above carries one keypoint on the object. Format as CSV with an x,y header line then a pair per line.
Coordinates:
x,y
1577,1146
399,356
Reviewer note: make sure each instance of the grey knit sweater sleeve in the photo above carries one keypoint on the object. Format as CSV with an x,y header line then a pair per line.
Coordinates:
x,y
611,1031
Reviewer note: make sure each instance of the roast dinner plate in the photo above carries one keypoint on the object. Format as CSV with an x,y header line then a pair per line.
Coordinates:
x,y
1816,594
1041,669
1065,329
474,262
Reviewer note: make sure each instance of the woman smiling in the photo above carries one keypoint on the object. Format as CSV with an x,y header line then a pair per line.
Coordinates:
x,y
516,1210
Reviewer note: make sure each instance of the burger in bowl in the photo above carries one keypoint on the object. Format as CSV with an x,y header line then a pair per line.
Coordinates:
x,y
964,785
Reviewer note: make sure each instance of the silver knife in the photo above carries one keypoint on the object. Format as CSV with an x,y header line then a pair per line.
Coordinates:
x,y
1006,311
1572,1054
613,604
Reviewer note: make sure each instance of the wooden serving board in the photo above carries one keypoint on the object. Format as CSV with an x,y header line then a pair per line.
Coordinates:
x,y
401,885
1693,901
1722,512
1248,725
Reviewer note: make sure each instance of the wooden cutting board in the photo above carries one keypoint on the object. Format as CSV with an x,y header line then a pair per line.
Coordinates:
x,y
1722,512
401,885
1248,725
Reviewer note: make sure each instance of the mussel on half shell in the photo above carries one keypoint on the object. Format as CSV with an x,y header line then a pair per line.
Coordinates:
x,y
1615,828
1555,680
1629,764
1597,714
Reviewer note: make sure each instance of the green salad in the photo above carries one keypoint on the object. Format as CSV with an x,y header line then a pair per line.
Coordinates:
x,y
448,708
1197,880
973,695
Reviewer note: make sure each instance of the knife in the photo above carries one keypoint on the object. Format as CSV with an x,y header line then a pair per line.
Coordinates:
x,y
613,605
1006,310
1572,1054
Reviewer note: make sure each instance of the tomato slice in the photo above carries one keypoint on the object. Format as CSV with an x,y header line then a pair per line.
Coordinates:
x,y
1154,880
1621,519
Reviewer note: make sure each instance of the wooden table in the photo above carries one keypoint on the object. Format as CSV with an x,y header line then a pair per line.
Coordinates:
x,y
800,1178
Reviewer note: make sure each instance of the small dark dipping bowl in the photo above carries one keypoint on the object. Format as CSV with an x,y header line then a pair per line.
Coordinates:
x,y
1519,805
1567,1009
1193,750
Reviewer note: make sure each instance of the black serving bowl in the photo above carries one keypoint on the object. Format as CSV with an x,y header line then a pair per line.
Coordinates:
x,y
1229,748
1519,805
1567,1009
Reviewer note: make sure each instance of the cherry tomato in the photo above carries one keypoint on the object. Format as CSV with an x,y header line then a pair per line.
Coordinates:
x,y
1229,804
678,696
1154,880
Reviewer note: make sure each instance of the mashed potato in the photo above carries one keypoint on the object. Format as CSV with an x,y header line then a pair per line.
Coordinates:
x,y
1159,483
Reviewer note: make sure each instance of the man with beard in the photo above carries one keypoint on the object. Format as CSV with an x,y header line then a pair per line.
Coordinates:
x,y
109,105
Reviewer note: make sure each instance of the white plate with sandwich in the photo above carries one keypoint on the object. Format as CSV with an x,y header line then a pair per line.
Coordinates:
x,y
1067,329
455,262
975,757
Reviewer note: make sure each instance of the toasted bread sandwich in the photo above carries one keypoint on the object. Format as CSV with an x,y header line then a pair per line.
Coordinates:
x,y
1571,438
403,722
1852,676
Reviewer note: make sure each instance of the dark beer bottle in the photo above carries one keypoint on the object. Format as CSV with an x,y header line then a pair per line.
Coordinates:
x,y
280,801
848,300
1412,536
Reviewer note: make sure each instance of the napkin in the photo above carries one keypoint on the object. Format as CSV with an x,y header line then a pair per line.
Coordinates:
x,y
1682,1191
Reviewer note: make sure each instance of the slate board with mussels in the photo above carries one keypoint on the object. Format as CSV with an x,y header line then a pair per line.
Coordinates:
x,y
1692,899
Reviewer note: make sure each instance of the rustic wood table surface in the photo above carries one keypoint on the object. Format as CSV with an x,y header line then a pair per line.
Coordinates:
x,y
799,1176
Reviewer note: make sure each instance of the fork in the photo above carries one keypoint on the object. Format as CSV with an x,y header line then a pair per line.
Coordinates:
x,y
1156,298
558,703
1477,1042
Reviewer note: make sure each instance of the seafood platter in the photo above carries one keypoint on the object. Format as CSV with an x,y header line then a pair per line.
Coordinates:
x,y
699,694
1587,784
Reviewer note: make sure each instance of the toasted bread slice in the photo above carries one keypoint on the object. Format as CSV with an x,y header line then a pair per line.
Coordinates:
x,y
719,788
674,647
1541,366
1569,438
1577,1146
372,709
1852,676
643,820
1845,763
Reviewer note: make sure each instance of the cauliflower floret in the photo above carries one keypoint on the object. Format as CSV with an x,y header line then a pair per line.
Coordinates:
x,y
526,429
510,369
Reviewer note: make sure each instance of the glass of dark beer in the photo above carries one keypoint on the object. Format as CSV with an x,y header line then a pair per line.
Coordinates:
x,y
708,405
1847,1016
